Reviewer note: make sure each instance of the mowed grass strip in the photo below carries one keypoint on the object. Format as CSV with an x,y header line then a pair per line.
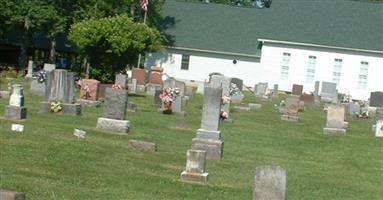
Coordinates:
x,y
48,162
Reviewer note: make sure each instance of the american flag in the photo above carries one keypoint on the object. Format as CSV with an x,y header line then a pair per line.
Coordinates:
x,y
144,5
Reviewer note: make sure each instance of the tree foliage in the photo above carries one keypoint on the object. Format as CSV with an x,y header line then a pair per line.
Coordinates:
x,y
112,42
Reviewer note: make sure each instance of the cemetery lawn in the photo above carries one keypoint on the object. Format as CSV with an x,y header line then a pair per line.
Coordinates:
x,y
48,162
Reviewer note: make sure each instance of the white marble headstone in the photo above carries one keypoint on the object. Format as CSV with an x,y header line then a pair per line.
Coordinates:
x,y
379,128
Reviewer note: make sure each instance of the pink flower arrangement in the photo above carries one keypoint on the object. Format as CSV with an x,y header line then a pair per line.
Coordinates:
x,y
116,87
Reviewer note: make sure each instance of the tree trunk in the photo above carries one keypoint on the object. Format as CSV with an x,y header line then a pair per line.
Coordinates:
x,y
23,48
52,52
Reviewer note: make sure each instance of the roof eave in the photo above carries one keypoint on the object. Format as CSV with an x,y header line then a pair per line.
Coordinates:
x,y
214,52
318,45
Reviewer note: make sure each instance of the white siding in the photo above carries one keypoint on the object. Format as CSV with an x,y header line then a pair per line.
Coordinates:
x,y
251,71
202,65
272,55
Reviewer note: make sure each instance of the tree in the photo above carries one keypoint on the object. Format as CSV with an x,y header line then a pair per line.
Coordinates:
x,y
27,17
113,42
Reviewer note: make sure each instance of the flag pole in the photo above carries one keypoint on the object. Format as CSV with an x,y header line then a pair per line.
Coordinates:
x,y
139,55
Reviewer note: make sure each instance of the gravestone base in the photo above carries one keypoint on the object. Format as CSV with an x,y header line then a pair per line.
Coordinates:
x,y
113,125
142,145
255,106
334,131
7,195
4,94
194,177
206,134
15,112
213,148
290,118
88,103
242,108
67,108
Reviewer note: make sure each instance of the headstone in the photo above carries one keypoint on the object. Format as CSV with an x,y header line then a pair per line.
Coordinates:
x,y
16,109
308,99
225,83
270,183
316,93
352,108
297,90
142,145
260,89
38,88
329,93
60,86
255,106
275,91
155,75
131,107
208,136
379,129
49,67
80,134
335,120
101,90
30,70
134,86
122,79
114,116
376,99
139,75
115,104
89,89
7,195
290,112
195,167
17,127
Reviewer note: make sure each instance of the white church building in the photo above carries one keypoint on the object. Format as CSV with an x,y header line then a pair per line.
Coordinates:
x,y
292,42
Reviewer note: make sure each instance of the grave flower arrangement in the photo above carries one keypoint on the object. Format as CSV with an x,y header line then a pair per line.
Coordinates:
x,y
40,76
168,95
56,107
116,87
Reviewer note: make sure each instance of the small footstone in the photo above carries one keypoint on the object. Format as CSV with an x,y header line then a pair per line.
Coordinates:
x,y
142,145
6,195
113,125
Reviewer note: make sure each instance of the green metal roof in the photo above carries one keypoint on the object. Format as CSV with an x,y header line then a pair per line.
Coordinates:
x,y
224,28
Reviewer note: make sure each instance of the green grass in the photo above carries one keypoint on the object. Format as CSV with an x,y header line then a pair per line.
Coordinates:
x,y
48,162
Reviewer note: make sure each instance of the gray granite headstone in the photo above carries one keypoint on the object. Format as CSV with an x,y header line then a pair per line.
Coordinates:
x,y
260,89
211,108
115,104
30,69
208,136
270,183
38,88
122,79
275,90
225,83
60,86
49,67
376,99
329,92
